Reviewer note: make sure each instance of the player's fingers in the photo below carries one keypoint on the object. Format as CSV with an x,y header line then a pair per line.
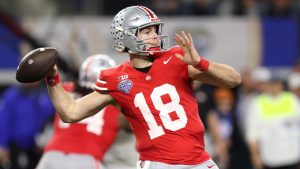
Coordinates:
x,y
183,47
53,71
192,49
178,41
182,41
190,45
185,38
191,38
55,67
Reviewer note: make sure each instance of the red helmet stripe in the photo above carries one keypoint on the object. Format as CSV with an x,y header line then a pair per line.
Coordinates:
x,y
149,12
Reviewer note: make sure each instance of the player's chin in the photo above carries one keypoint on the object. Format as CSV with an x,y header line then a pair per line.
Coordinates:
x,y
156,44
153,42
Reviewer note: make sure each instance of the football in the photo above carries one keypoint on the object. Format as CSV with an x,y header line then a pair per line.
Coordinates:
x,y
36,64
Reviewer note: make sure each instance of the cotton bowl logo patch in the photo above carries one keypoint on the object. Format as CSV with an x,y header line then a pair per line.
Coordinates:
x,y
125,86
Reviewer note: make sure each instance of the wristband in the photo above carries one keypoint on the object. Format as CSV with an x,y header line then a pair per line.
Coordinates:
x,y
202,65
53,80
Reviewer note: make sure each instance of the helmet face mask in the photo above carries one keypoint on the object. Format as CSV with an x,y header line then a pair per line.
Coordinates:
x,y
128,22
144,48
91,67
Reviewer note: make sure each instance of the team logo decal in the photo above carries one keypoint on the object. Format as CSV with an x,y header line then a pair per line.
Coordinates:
x,y
125,86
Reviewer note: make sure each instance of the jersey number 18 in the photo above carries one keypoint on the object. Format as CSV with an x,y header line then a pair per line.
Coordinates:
x,y
174,106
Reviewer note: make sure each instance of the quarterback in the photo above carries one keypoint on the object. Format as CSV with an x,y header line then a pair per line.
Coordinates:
x,y
153,90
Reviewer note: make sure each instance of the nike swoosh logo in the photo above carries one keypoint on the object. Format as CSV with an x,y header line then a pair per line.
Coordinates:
x,y
166,61
210,166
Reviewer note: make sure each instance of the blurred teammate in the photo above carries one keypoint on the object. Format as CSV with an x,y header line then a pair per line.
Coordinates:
x,y
154,91
82,145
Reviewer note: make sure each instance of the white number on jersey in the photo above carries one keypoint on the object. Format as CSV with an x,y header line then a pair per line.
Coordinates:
x,y
94,124
154,129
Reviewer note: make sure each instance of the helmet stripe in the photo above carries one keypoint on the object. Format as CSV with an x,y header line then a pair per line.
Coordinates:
x,y
149,13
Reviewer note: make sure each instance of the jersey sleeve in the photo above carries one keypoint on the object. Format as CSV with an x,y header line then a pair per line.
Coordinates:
x,y
101,83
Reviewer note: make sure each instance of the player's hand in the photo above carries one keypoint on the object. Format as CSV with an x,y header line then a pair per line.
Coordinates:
x,y
185,41
53,71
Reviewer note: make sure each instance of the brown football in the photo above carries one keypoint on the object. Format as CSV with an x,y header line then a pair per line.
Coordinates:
x,y
36,64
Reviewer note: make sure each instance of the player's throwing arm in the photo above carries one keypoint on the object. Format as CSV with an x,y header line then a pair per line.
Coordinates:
x,y
40,63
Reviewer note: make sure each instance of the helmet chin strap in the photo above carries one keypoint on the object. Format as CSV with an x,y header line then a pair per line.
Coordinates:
x,y
153,50
150,51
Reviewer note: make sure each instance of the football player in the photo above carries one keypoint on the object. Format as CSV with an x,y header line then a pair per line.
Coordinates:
x,y
154,91
83,144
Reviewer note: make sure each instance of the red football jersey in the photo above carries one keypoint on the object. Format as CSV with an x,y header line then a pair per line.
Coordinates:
x,y
161,108
93,135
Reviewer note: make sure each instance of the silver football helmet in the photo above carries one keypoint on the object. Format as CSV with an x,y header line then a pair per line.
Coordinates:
x,y
91,67
128,22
